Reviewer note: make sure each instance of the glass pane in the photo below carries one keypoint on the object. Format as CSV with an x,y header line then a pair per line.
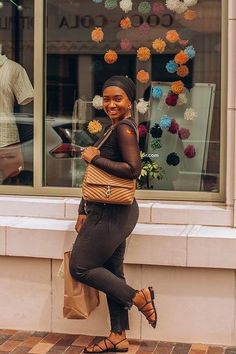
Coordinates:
x,y
16,92
179,133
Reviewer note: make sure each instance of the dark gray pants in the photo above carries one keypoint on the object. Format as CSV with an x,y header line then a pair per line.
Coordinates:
x,y
98,254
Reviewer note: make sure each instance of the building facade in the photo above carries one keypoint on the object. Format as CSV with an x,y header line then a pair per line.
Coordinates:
x,y
55,56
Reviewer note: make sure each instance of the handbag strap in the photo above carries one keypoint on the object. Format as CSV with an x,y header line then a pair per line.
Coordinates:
x,y
110,130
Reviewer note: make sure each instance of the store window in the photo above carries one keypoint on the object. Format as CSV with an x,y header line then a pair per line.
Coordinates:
x,y
16,92
172,50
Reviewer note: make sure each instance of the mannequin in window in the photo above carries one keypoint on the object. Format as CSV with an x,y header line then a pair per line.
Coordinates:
x,y
15,86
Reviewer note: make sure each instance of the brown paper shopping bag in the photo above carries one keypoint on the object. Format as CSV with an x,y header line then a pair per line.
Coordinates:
x,y
79,299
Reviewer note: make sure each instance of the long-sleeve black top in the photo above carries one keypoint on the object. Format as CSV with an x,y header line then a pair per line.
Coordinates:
x,y
119,155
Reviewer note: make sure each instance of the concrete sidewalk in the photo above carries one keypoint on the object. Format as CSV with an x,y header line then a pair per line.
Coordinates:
x,y
22,342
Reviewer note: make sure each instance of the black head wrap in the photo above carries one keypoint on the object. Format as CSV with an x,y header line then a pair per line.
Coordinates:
x,y
123,82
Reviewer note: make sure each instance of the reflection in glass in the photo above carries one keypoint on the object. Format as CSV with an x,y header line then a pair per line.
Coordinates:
x,y
16,93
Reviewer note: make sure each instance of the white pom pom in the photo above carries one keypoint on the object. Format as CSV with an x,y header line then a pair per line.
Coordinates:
x,y
126,5
182,99
190,114
190,2
142,106
97,102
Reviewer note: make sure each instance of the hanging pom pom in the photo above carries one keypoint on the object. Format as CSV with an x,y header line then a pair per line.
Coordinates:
x,y
183,71
97,102
97,1
97,34
143,54
94,126
142,131
190,3
181,57
176,5
144,7
174,127
156,131
190,151
157,92
125,23
110,4
159,45
156,144
172,36
184,133
144,28
142,106
190,15
172,159
177,87
190,52
143,76
171,66
190,114
171,99
165,122
158,8
110,56
126,5
182,99
126,44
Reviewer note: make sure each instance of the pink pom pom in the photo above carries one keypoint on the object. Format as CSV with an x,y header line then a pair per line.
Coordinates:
x,y
184,133
144,28
126,44
142,131
190,151
158,8
174,127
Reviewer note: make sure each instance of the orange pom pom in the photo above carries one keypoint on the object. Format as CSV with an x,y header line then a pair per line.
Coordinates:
x,y
172,36
143,53
190,15
177,87
182,71
97,34
125,23
181,58
110,56
159,45
142,76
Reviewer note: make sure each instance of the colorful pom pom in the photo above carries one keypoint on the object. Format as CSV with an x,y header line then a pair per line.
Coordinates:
x,y
97,1
156,144
159,45
190,151
110,4
190,52
190,3
183,71
142,106
97,34
156,131
126,44
144,7
157,8
177,87
142,131
181,57
174,127
144,28
190,15
97,102
157,92
94,126
125,23
143,54
172,36
126,5
173,159
184,133
110,56
171,67
171,99
190,114
143,76
165,122
182,99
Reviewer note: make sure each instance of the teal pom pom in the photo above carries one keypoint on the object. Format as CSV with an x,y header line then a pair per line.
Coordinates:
x,y
165,122
190,51
171,67
144,7
97,1
157,92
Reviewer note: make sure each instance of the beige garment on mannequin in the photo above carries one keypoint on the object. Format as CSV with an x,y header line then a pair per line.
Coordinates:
x,y
14,85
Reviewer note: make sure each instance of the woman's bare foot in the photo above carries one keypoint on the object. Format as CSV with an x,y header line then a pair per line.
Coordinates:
x,y
143,300
116,342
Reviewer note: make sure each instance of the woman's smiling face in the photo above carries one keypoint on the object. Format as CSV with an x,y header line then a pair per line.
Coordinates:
x,y
116,103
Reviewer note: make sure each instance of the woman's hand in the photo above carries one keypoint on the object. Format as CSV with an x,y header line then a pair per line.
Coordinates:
x,y
80,221
89,153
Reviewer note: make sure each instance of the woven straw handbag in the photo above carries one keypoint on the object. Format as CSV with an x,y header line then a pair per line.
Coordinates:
x,y
102,187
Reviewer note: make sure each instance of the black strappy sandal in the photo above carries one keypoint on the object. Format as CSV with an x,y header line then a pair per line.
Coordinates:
x,y
148,312
96,348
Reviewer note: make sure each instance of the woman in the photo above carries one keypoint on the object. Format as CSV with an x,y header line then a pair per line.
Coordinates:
x,y
98,253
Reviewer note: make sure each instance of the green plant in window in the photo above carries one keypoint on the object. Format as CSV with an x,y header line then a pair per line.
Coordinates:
x,y
149,170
